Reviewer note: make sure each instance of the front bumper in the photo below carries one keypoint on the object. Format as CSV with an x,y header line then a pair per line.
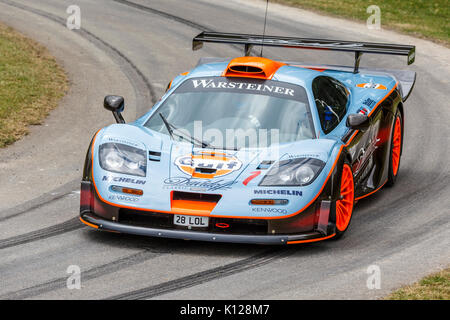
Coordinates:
x,y
309,226
106,225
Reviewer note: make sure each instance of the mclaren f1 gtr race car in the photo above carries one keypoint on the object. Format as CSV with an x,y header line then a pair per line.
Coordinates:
x,y
251,150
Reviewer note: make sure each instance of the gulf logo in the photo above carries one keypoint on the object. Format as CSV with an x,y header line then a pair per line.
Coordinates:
x,y
371,85
208,165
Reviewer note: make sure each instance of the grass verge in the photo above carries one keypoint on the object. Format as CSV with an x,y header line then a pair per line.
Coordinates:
x,y
428,19
31,84
433,287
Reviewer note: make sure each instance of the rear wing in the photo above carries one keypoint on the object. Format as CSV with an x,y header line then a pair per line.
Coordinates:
x,y
358,48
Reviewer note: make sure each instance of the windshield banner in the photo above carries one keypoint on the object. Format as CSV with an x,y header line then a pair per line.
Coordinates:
x,y
247,85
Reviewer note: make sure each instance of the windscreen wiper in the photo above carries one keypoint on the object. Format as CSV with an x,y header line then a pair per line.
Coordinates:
x,y
170,127
167,124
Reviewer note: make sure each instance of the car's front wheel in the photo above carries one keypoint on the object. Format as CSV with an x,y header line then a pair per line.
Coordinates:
x,y
345,204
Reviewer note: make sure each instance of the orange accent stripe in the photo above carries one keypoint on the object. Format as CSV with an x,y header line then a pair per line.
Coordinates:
x,y
311,240
351,138
88,224
366,195
316,69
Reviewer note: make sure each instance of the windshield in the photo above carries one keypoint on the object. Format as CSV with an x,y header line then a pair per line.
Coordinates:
x,y
234,113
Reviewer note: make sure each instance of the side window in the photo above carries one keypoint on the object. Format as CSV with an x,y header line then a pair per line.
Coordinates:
x,y
331,98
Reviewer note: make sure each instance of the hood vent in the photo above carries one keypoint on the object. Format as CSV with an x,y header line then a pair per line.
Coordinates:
x,y
205,171
154,156
265,165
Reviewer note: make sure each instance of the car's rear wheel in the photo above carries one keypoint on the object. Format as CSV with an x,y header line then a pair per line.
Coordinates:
x,y
345,204
396,150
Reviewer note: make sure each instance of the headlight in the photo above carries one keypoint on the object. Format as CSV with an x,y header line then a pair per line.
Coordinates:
x,y
117,157
293,172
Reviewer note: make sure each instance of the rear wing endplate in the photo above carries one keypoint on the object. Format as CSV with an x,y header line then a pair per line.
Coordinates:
x,y
248,41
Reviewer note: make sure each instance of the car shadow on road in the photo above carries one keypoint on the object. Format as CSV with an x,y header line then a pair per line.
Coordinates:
x,y
200,248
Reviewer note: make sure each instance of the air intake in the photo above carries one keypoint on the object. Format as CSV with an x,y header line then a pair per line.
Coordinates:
x,y
193,203
246,69
252,67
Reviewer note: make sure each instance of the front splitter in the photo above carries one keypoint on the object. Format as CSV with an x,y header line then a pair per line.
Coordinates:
x,y
106,225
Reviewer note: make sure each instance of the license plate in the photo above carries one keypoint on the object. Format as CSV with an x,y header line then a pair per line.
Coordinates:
x,y
190,221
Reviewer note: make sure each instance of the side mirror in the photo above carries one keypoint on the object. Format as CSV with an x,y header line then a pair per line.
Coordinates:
x,y
115,104
358,121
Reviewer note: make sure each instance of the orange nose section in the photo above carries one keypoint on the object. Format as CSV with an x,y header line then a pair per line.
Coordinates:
x,y
252,67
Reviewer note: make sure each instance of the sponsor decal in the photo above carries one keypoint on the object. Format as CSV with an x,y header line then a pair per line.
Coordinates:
x,y
217,84
369,102
364,174
122,198
371,85
121,140
183,183
363,111
123,180
208,165
270,210
279,192
365,153
305,155
249,86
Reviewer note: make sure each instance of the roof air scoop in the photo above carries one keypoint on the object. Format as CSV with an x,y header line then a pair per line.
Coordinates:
x,y
246,69
252,67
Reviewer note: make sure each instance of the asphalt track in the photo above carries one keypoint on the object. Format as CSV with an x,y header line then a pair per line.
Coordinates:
x,y
135,49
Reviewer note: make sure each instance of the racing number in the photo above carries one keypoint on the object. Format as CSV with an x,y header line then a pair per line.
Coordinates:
x,y
253,175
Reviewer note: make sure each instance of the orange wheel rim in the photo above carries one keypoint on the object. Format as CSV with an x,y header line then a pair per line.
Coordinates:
x,y
344,206
396,146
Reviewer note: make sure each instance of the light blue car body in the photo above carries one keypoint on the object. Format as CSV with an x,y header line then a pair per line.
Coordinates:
x,y
164,176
